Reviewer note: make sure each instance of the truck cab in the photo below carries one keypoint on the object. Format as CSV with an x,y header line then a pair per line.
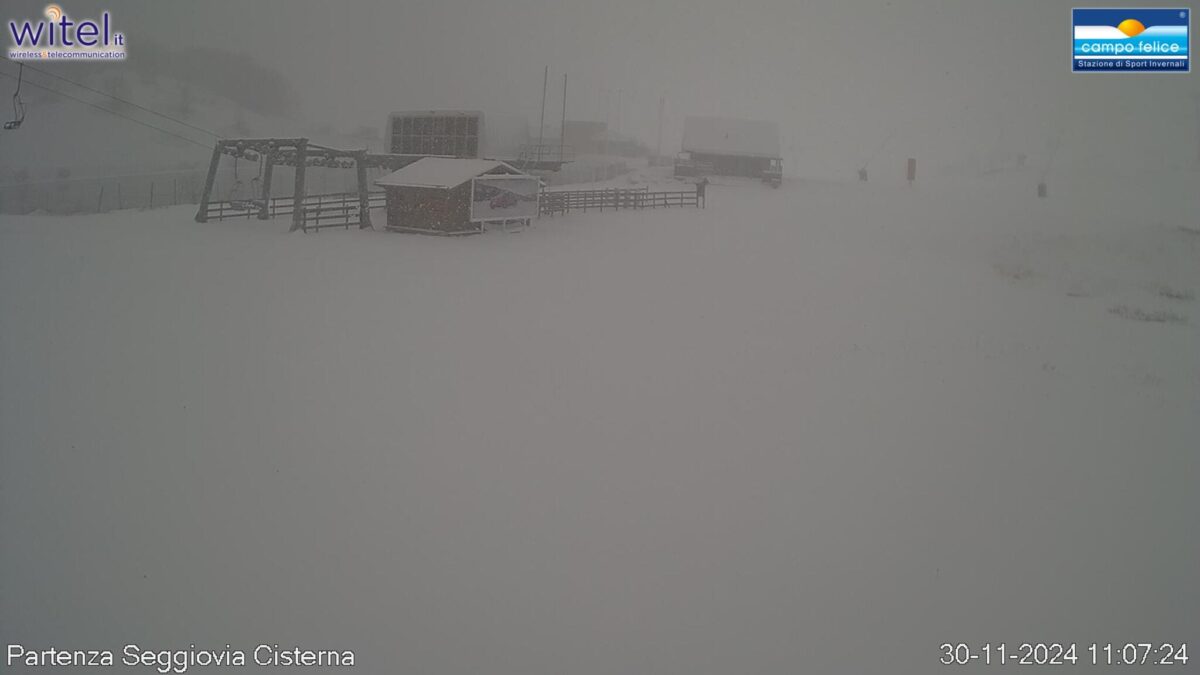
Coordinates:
x,y
684,166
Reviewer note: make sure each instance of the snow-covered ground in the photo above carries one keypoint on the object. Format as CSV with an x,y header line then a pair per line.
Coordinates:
x,y
831,426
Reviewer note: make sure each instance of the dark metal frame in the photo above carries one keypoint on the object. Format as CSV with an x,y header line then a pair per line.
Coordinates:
x,y
298,153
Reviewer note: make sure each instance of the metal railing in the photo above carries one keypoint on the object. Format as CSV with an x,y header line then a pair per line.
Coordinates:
x,y
565,201
687,168
546,152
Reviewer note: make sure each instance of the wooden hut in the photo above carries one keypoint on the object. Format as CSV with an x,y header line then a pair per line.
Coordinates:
x,y
433,194
729,147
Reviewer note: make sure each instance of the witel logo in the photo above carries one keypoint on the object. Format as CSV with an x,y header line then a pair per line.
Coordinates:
x,y
58,37
1131,39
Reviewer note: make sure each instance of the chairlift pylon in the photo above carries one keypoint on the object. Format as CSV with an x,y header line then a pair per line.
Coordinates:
x,y
235,188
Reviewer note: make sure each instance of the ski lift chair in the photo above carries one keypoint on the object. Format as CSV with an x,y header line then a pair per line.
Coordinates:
x,y
18,104
236,199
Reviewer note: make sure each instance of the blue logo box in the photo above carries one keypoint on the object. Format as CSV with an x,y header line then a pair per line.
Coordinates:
x,y
1135,39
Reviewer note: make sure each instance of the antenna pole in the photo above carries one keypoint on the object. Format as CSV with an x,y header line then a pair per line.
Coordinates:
x,y
562,134
662,102
542,123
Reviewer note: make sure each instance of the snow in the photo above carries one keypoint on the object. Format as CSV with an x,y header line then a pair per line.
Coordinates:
x,y
834,424
435,113
440,172
724,136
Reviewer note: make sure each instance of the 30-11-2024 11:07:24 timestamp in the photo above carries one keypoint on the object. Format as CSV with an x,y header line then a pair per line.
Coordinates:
x,y
1064,654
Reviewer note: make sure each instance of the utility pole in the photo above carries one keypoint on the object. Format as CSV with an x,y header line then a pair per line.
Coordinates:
x,y
662,102
607,114
562,133
542,122
619,110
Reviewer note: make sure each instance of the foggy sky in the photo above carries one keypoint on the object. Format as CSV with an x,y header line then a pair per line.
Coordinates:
x,y
839,77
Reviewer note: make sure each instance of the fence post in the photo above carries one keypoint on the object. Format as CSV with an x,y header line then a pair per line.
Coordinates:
x,y
175,192
120,204
100,200
151,194
364,200
268,173
298,191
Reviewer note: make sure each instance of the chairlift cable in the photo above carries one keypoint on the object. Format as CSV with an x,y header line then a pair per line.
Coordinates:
x,y
113,112
116,98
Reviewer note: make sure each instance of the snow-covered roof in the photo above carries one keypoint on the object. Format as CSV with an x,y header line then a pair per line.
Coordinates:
x,y
441,172
725,136
435,113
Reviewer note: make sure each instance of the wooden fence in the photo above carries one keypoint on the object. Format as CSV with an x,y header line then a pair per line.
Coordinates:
x,y
340,209
565,201
320,209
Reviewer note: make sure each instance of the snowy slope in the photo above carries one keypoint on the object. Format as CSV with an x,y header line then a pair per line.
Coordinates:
x,y
613,443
